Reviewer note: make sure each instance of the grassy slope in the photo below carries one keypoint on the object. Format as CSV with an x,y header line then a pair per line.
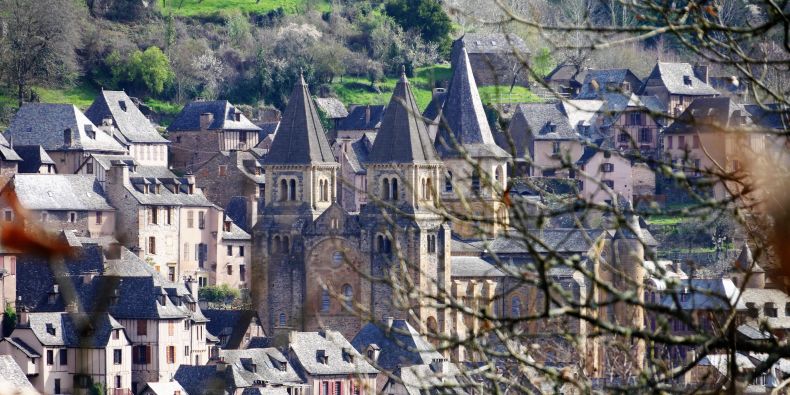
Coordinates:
x,y
209,7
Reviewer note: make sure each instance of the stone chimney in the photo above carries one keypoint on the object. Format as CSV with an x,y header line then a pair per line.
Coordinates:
x,y
367,114
205,120
436,92
117,179
701,72
192,286
190,178
24,317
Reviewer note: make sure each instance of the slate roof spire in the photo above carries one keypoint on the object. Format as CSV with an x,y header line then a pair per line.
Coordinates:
x,y
403,136
300,138
463,116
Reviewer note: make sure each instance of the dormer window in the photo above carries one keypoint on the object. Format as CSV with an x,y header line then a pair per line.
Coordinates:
x,y
551,127
51,329
226,226
90,132
687,80
322,357
237,116
348,356
67,137
122,105
283,366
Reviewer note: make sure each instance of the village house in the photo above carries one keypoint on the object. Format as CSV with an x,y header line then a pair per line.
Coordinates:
x,y
35,160
9,161
233,328
677,85
167,220
397,348
234,257
604,174
333,109
64,132
566,79
632,123
116,113
59,202
361,120
600,82
329,364
60,357
495,58
352,156
235,176
204,128
714,135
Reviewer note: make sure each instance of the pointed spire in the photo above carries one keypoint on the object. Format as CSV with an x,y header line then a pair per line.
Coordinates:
x,y
745,259
463,117
403,136
631,228
300,138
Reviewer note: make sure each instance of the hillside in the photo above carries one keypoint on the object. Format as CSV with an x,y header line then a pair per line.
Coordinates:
x,y
192,8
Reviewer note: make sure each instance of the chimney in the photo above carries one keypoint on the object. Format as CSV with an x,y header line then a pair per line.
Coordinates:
x,y
88,277
205,120
390,320
24,317
190,178
192,286
436,92
71,307
625,87
117,178
367,114
113,251
701,72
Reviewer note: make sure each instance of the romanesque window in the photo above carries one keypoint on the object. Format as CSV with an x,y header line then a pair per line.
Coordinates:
x,y
276,244
499,174
286,244
325,301
448,182
385,188
476,181
348,294
337,258
394,189
283,190
292,190
431,239
282,319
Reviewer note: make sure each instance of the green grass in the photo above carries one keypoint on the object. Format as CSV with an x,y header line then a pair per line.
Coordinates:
x,y
164,107
356,90
663,220
81,95
190,8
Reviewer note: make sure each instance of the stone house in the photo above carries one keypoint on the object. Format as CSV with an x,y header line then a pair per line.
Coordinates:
x,y
204,128
235,176
465,131
400,350
167,220
35,160
64,132
233,328
633,123
60,202
329,364
495,58
712,133
566,79
52,352
677,85
601,82
234,257
604,174
352,156
116,113
361,120
9,161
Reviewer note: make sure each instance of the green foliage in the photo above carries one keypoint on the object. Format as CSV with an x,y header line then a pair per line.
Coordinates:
x,y
543,63
219,294
427,16
149,70
97,389
164,107
80,95
193,8
9,321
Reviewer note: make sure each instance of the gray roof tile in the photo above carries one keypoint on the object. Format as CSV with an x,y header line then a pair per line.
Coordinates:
x,y
674,77
710,114
230,323
300,138
607,80
332,107
403,137
6,152
268,365
44,124
33,156
73,329
133,126
13,375
60,192
400,345
362,117
224,117
472,266
306,346
494,42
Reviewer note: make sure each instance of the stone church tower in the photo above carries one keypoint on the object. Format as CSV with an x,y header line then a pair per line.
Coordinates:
x,y
476,172
403,234
317,265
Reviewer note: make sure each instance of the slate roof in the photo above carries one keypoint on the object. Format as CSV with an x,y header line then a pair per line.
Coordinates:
x,y
672,76
570,240
44,124
607,80
22,346
300,139
464,124
230,324
581,112
400,345
12,377
772,116
267,128
710,114
153,175
268,365
132,125
224,117
566,72
235,233
332,107
305,346
201,379
547,122
33,156
706,294
403,137
762,296
60,192
358,155
362,117
471,266
76,330
494,43
166,388
6,152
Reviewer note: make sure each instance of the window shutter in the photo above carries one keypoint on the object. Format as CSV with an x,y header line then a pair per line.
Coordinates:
x,y
147,354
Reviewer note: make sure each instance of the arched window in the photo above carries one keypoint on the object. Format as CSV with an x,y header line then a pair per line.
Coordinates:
x,y
348,294
326,190
380,243
286,244
448,182
385,189
476,181
325,301
394,189
499,174
428,189
387,245
337,258
292,190
282,319
283,190
276,244
515,307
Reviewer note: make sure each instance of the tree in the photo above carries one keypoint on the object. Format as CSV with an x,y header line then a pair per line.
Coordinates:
x,y
425,16
37,46
151,68
9,321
